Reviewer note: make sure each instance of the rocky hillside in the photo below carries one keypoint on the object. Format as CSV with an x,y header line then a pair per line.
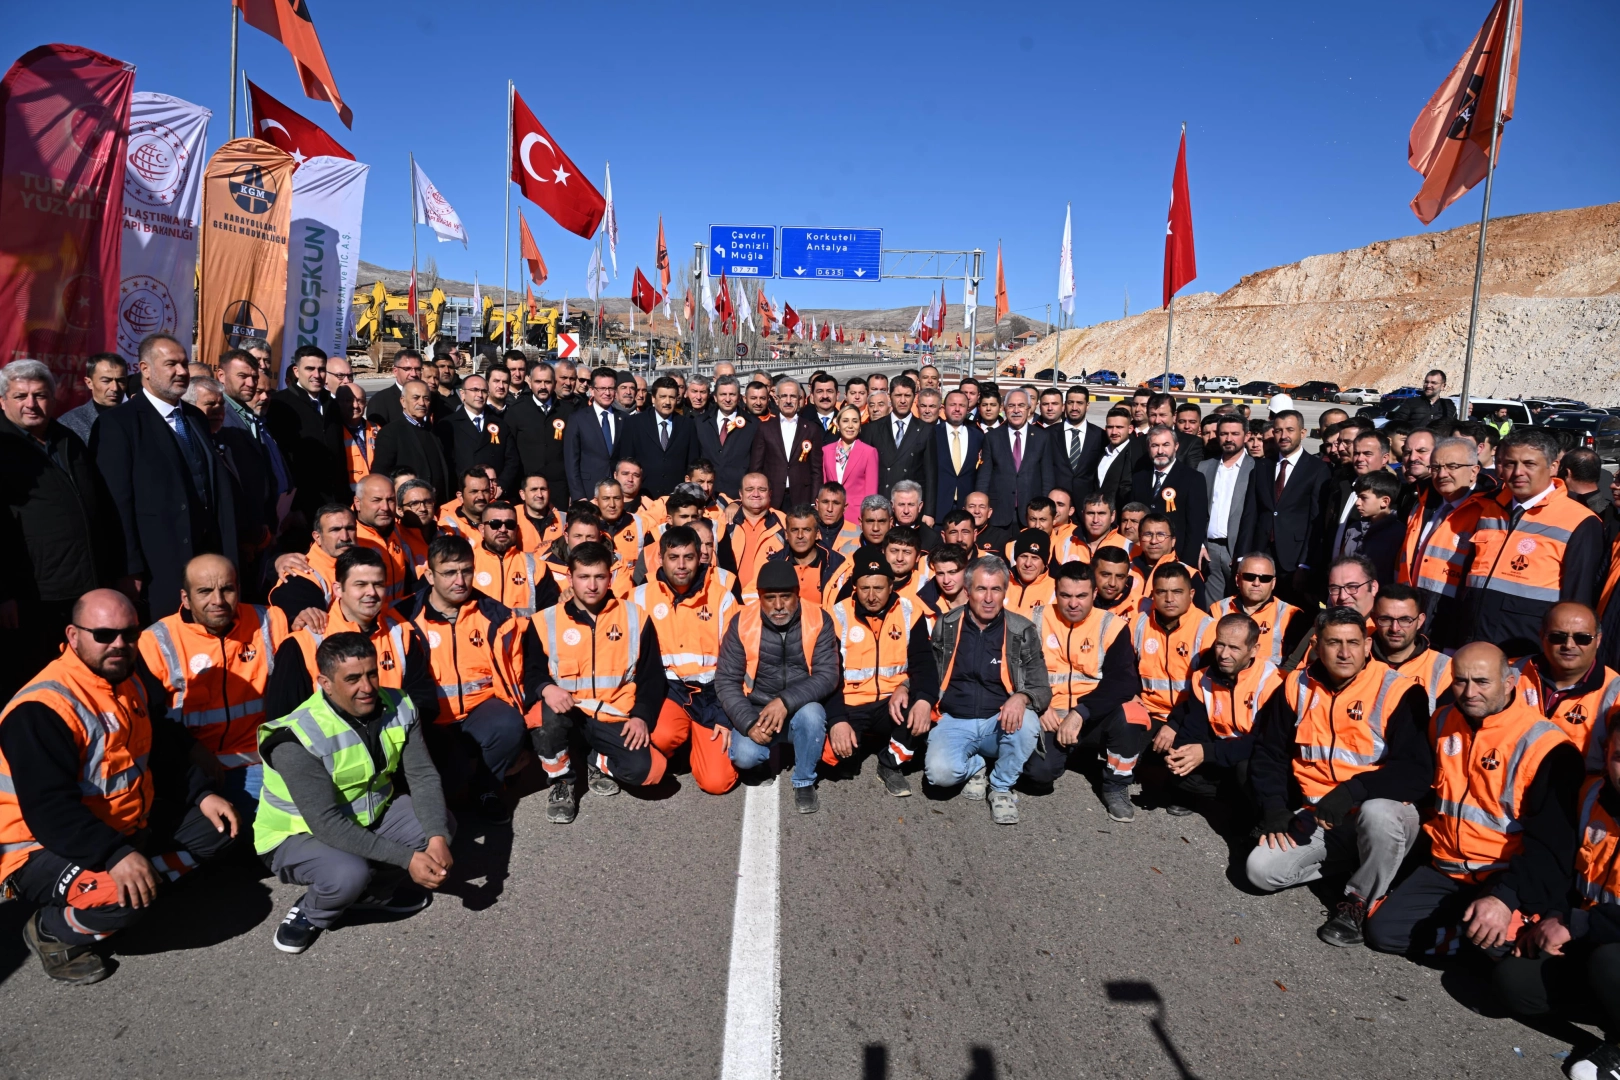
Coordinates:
x,y
1384,314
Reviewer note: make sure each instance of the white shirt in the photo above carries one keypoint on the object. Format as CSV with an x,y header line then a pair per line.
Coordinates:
x,y
1220,500
723,420
1534,500
898,425
476,417
1108,455
1079,428
1022,433
170,413
613,421
790,431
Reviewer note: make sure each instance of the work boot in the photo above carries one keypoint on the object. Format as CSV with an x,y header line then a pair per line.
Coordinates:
x,y
894,781
1004,807
404,901
1602,1062
1175,809
805,799
79,965
296,933
492,808
976,784
562,804
1344,928
601,783
1117,801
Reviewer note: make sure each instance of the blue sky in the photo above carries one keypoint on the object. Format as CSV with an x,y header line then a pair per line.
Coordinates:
x,y
948,125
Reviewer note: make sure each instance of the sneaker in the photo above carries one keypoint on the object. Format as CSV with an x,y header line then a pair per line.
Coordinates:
x,y
1602,1062
894,781
1117,801
492,808
79,965
1177,810
296,933
403,902
602,783
1004,807
805,800
1344,928
562,804
976,784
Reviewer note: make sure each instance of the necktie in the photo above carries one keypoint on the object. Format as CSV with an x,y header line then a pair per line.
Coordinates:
x,y
1074,449
725,426
478,422
1282,478
196,462
663,434
1018,450
607,430
956,449
1158,482
899,431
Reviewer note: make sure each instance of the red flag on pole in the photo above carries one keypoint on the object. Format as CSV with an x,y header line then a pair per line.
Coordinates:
x,y
280,126
723,306
1180,265
549,178
530,251
288,22
939,321
790,318
1451,138
534,309
410,297
642,293
1001,288
661,264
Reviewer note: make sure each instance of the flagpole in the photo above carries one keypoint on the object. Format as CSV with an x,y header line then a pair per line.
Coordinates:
x,y
416,334
697,269
506,182
235,15
1485,208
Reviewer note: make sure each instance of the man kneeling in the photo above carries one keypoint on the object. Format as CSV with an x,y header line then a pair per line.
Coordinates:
x,y
329,817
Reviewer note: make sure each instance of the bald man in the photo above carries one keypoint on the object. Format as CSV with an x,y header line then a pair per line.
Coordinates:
x,y
213,658
377,528
1504,832
80,835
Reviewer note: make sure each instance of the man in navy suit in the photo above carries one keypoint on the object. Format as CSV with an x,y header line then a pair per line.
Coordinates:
x,y
1021,461
727,437
591,435
1082,442
787,449
956,455
660,441
1280,509
901,440
1169,486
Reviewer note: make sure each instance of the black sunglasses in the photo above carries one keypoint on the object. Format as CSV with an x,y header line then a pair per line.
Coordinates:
x,y
106,635
501,523
1557,637
1263,579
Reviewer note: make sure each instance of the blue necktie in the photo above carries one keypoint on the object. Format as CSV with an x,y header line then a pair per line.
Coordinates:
x,y
607,432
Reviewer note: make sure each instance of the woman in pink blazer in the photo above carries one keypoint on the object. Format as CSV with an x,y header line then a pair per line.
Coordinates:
x,y
851,462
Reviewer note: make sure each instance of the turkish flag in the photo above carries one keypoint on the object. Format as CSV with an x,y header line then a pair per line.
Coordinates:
x,y
863,337
530,252
288,22
642,294
826,331
790,318
279,126
534,309
410,297
723,305
1450,143
549,178
958,341
1180,266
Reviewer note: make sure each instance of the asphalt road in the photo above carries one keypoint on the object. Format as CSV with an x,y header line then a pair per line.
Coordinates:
x,y
916,940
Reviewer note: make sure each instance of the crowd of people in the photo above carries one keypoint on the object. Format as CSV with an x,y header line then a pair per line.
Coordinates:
x,y
287,618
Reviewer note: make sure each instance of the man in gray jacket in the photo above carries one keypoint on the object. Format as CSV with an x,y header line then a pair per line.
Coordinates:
x,y
773,688
993,688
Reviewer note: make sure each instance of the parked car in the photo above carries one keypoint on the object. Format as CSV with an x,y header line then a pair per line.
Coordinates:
x,y
1541,408
1103,378
1481,408
1597,431
1218,383
1378,414
1358,395
1045,376
1315,390
1259,388
1400,394
1177,382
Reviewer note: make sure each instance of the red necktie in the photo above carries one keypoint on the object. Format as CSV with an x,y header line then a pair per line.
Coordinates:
x,y
1282,478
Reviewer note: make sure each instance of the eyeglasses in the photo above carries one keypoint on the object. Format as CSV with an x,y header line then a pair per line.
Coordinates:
x,y
106,635
501,523
1395,622
1349,590
1555,637
418,504
1258,579
1452,466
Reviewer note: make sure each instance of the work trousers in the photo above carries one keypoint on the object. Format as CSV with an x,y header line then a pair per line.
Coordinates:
x,y
1582,985
1206,782
1423,917
1122,743
711,735
79,905
805,729
478,749
959,746
642,767
335,879
895,744
1374,840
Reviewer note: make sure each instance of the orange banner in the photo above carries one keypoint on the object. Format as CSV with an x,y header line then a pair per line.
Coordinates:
x,y
247,208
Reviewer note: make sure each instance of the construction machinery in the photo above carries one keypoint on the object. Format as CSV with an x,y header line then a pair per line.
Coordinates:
x,y
384,316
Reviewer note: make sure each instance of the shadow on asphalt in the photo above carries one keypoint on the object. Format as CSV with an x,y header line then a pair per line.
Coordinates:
x,y
875,1063
1129,991
204,910
481,850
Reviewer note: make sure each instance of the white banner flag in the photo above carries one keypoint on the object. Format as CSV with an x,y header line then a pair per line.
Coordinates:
x,y
596,276
162,205
434,210
1066,269
611,221
323,253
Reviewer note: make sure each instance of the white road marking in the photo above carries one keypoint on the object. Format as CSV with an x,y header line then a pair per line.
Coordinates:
x,y
753,1046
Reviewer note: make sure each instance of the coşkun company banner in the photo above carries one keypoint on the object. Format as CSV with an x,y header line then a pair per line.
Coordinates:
x,y
329,195
64,112
162,202
247,209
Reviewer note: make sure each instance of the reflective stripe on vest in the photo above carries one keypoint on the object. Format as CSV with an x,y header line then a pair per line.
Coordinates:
x,y
588,689
1595,858
1459,851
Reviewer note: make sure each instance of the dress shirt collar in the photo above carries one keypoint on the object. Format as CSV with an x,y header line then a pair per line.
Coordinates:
x,y
164,409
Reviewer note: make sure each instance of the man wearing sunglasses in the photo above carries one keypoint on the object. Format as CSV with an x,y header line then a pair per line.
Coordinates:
x,y
1282,627
503,571
80,754
1568,682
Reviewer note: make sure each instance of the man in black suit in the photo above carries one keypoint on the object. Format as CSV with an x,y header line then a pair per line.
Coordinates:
x,y
591,435
1021,461
471,435
1082,442
661,441
902,441
296,418
1162,410
1282,507
535,422
1121,451
1175,489
957,445
411,444
169,485
726,438
787,449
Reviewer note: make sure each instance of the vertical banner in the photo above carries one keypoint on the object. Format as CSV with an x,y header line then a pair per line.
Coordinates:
x,y
247,208
323,254
63,114
162,204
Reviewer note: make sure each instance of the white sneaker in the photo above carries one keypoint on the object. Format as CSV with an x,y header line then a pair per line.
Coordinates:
x,y
976,784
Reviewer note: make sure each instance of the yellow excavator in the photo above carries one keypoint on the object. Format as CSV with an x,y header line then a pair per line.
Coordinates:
x,y
382,315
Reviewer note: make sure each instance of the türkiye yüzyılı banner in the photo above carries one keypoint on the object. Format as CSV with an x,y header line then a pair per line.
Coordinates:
x,y
247,208
162,202
323,253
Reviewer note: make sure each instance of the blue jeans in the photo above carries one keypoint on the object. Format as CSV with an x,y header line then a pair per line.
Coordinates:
x,y
957,749
807,729
241,787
